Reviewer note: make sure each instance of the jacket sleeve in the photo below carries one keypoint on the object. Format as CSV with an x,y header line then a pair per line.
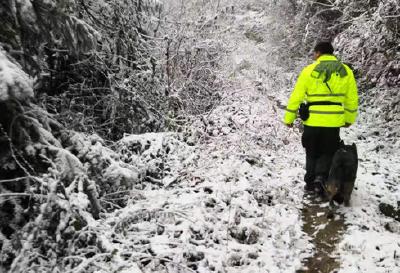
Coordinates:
x,y
351,100
296,98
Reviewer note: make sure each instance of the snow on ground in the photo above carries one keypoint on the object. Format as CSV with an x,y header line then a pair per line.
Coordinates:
x,y
236,206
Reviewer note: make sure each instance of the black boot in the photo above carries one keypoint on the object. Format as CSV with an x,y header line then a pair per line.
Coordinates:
x,y
318,184
309,187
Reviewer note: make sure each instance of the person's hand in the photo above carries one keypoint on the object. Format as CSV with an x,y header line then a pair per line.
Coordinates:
x,y
289,125
347,125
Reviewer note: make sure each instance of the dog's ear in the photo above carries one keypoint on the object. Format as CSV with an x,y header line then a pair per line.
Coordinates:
x,y
341,144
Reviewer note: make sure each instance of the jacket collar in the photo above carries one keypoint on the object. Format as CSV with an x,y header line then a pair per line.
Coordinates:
x,y
326,57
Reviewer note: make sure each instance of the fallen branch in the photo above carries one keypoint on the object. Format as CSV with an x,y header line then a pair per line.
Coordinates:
x,y
18,179
84,264
21,194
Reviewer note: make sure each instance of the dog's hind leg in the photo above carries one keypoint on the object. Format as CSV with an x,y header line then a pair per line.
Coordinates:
x,y
347,190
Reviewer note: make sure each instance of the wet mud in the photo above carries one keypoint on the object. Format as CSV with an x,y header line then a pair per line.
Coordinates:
x,y
325,233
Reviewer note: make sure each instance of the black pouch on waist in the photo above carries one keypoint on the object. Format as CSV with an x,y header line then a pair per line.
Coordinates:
x,y
304,109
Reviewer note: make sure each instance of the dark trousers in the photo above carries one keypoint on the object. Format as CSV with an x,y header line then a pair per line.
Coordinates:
x,y
320,143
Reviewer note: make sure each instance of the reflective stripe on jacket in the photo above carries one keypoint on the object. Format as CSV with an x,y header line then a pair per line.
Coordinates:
x,y
339,87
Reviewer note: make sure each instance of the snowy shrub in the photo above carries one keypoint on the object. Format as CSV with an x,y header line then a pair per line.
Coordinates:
x,y
372,48
14,82
87,83
365,34
150,74
245,235
193,55
49,218
157,152
142,78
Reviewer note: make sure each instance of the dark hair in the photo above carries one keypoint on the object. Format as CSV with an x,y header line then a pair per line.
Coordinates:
x,y
324,48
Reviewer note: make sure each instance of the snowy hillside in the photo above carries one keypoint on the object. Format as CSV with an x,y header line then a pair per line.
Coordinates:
x,y
182,163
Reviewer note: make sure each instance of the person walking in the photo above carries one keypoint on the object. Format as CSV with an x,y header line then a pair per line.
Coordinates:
x,y
326,93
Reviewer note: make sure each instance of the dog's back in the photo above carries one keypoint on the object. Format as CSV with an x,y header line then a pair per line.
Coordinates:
x,y
342,174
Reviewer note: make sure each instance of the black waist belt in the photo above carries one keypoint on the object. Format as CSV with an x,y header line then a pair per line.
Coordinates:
x,y
304,109
323,103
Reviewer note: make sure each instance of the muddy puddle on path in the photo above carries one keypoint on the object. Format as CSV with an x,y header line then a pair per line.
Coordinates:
x,y
325,233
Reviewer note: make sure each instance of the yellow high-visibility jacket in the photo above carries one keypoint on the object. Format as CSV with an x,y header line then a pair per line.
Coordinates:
x,y
313,85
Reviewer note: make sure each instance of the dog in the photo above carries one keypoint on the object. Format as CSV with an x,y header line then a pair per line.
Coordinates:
x,y
342,175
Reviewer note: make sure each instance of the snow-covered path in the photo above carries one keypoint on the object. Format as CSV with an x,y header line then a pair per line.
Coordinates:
x,y
251,162
253,175
238,204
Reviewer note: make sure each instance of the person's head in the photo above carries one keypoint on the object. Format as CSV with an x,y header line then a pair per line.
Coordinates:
x,y
322,48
